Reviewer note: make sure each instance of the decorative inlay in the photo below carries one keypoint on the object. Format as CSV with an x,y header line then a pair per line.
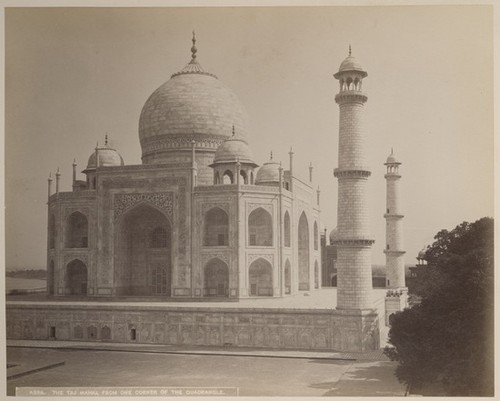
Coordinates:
x,y
210,205
266,206
209,256
350,97
163,200
68,211
254,257
339,173
177,141
353,242
80,256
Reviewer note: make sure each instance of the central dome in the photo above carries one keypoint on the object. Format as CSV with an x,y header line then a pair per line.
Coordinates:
x,y
192,106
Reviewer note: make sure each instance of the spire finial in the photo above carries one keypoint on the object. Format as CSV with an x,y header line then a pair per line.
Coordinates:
x,y
193,48
349,50
233,130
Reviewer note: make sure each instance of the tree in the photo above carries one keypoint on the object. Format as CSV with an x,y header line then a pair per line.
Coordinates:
x,y
446,341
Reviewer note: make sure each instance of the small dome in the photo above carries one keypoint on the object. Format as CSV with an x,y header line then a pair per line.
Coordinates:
x,y
333,235
350,64
391,159
232,150
107,157
268,173
421,254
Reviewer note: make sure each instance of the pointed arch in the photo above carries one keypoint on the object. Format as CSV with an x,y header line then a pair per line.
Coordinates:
x,y
227,177
288,277
260,278
287,230
216,279
244,176
52,231
260,228
76,278
105,333
316,274
143,252
316,236
50,278
77,231
216,228
303,248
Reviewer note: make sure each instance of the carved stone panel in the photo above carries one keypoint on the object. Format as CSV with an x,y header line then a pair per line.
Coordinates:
x,y
252,257
162,200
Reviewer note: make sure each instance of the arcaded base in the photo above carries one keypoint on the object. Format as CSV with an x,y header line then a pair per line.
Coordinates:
x,y
246,324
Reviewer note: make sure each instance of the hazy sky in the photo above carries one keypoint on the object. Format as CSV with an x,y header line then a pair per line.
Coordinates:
x,y
74,74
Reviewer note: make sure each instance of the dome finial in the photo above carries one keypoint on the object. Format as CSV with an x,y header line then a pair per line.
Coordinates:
x,y
271,156
233,130
193,48
106,139
349,50
392,150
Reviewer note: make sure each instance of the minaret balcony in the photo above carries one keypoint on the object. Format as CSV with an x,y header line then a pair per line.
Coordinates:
x,y
392,252
393,216
351,96
353,242
352,173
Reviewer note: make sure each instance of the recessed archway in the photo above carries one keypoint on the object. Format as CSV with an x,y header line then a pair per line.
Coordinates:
x,y
260,275
303,245
77,231
216,228
143,248
216,279
76,278
260,228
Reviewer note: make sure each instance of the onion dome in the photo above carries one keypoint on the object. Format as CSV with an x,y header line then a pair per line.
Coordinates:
x,y
333,235
421,254
192,105
106,157
269,172
391,159
351,64
233,150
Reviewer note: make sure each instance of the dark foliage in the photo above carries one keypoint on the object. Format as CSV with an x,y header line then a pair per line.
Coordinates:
x,y
446,340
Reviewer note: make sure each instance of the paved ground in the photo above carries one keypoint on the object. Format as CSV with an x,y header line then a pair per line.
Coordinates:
x,y
324,298
254,375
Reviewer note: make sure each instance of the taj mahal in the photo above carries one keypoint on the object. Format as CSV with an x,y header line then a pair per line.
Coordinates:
x,y
200,245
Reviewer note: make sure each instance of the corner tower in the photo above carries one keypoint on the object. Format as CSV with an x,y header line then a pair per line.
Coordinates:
x,y
396,299
394,254
354,270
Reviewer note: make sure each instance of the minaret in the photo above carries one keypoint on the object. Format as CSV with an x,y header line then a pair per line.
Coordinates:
x,y
394,254
354,286
397,294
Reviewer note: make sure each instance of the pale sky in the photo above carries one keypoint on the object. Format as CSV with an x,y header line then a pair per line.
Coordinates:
x,y
74,74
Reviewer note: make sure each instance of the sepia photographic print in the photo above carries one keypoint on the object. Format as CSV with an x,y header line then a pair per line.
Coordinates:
x,y
239,200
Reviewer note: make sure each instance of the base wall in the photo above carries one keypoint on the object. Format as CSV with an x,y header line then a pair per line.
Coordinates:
x,y
267,328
